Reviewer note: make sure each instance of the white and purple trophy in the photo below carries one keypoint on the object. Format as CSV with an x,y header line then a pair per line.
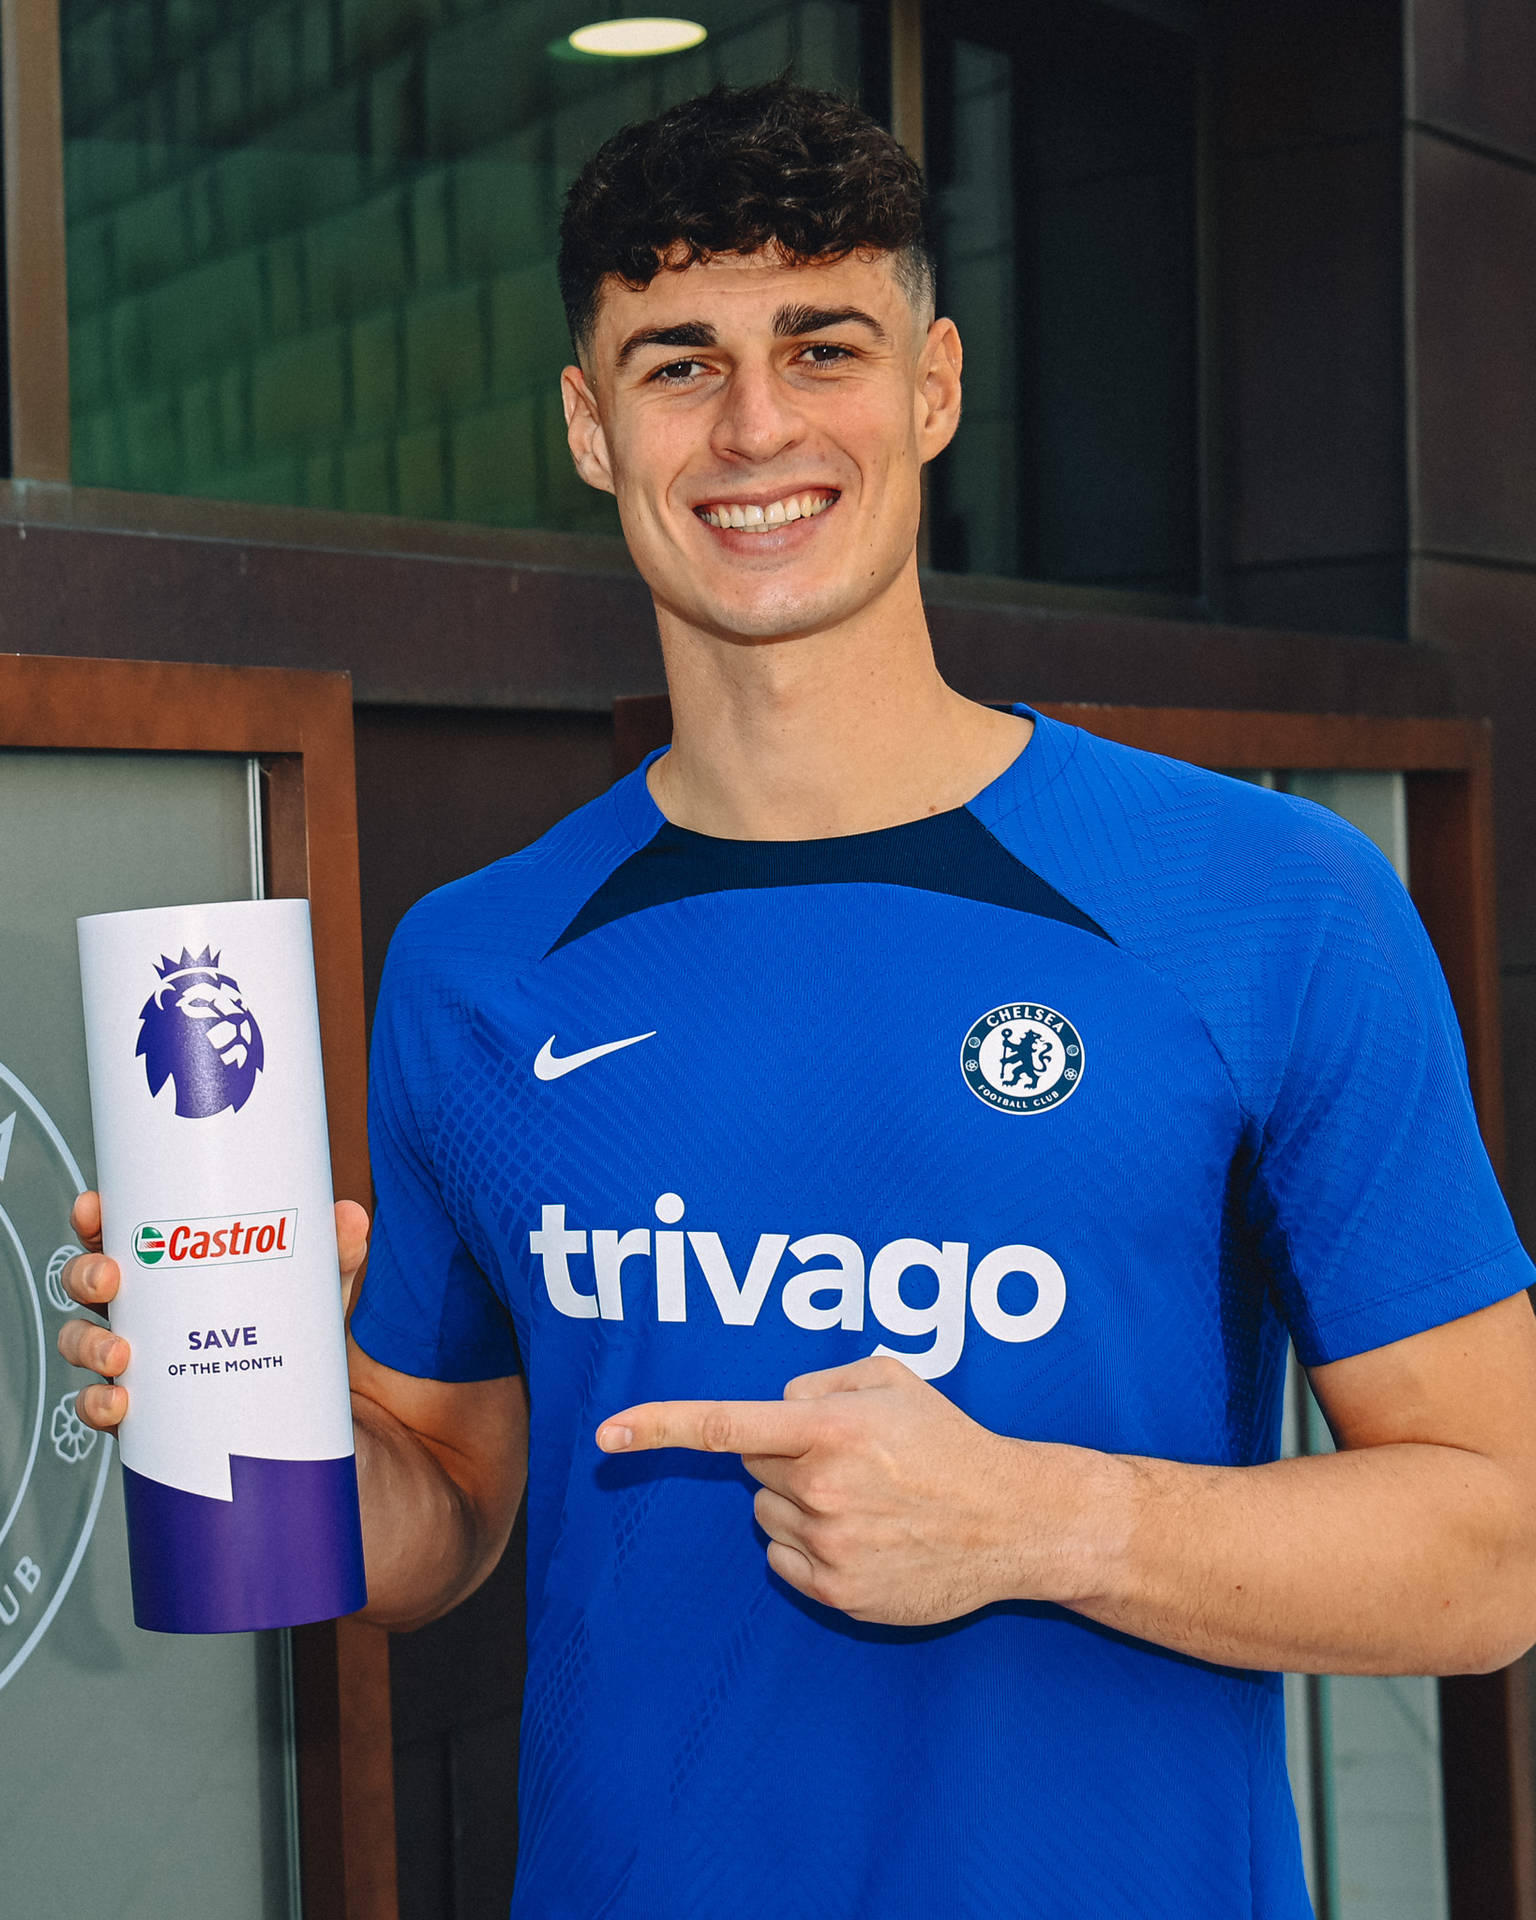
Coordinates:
x,y
213,1162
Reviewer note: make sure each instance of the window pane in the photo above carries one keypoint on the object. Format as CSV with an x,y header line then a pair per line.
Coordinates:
x,y
1061,147
311,242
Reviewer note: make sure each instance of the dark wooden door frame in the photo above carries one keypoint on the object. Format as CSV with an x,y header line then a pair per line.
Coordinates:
x,y
1485,1737
36,319
298,725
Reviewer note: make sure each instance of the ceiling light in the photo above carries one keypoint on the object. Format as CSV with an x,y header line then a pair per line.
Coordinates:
x,y
637,39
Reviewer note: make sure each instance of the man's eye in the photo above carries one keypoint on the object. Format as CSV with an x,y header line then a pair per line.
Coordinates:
x,y
676,372
827,353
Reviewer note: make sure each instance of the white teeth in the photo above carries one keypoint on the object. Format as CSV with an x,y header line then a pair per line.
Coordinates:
x,y
803,506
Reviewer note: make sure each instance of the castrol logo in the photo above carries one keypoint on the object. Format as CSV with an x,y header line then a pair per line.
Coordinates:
x,y
225,1240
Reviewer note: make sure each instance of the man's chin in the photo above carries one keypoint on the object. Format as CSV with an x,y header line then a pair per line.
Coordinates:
x,y
760,626
758,617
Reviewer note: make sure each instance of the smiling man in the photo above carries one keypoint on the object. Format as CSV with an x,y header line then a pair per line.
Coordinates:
x,y
868,1165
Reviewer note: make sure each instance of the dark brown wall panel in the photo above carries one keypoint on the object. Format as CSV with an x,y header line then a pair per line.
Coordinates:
x,y
1474,364
1351,596
409,628
424,1816
1014,653
427,631
457,1696
1305,254
1518,993
1297,72
1473,62
1483,619
1312,370
440,793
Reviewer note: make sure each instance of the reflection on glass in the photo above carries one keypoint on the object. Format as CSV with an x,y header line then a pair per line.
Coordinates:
x,y
311,242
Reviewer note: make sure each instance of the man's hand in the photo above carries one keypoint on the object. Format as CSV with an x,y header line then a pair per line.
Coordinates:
x,y
92,1279
879,1496
1410,1550
440,1464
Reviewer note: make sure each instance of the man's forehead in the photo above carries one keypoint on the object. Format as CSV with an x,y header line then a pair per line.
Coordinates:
x,y
744,290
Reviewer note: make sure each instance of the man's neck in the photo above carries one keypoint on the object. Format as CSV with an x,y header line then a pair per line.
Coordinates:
x,y
840,731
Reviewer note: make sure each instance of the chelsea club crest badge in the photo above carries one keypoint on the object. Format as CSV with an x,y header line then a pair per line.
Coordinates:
x,y
1022,1058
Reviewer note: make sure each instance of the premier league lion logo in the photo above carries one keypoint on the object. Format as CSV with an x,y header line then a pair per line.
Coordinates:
x,y
198,1032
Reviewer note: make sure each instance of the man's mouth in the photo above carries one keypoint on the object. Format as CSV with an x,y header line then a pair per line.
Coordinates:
x,y
755,517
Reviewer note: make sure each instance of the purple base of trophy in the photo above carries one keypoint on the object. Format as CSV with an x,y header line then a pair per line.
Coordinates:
x,y
287,1549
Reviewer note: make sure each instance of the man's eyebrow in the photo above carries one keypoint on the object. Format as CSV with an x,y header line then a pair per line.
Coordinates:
x,y
687,333
790,322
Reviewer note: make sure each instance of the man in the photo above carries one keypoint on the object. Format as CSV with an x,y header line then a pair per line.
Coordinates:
x,y
992,1359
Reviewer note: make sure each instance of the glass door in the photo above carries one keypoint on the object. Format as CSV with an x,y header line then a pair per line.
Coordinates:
x,y
1364,1752
149,1772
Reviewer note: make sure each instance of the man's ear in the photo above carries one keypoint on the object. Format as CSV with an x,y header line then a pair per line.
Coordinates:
x,y
938,388
584,431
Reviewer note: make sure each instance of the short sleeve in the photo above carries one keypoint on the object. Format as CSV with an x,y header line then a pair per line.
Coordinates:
x,y
1380,1210
426,1307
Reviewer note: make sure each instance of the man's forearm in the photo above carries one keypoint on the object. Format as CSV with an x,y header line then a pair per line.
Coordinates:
x,y
423,1543
1405,1558
1413,1549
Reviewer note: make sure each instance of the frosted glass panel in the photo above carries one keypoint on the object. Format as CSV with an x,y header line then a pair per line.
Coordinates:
x,y
1376,803
1364,1753
1364,1758
192,1812
1388,1822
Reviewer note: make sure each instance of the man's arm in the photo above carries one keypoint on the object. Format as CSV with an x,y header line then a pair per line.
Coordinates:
x,y
1412,1550
440,1464
441,1467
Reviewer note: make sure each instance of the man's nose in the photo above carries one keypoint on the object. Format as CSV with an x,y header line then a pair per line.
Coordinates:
x,y
758,416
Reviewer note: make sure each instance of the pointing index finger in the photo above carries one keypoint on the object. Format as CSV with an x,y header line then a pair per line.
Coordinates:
x,y
782,1427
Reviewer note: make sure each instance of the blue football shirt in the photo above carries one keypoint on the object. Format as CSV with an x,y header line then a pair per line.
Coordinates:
x,y
1079,1099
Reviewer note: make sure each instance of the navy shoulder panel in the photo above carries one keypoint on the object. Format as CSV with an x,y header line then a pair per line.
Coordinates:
x,y
949,853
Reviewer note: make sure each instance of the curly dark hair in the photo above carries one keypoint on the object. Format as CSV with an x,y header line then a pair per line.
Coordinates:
x,y
736,170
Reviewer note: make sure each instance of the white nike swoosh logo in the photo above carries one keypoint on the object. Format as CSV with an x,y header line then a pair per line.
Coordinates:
x,y
550,1067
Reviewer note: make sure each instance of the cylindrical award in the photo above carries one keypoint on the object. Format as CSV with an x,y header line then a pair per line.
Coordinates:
x,y
213,1162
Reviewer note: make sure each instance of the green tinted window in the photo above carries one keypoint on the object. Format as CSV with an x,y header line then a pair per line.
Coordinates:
x,y
1061,141
311,242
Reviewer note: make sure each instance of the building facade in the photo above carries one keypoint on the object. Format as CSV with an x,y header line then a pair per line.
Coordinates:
x,y
1248,291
